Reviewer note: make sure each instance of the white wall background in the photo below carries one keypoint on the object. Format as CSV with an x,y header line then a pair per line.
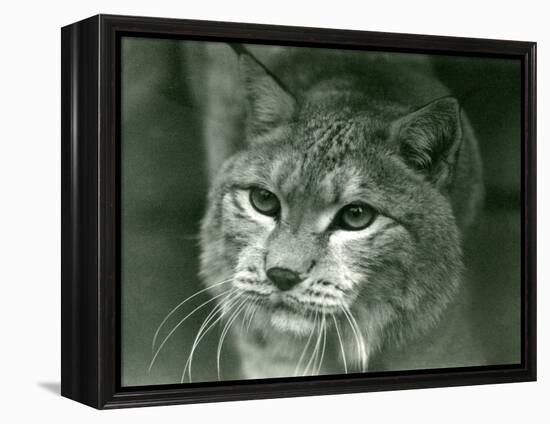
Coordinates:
x,y
30,212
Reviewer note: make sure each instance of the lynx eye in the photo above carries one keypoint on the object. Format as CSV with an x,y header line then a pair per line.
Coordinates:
x,y
355,217
264,201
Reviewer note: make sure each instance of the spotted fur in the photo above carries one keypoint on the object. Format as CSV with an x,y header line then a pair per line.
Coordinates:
x,y
322,129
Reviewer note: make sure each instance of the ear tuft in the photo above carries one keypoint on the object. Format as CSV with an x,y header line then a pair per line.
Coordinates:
x,y
269,103
430,138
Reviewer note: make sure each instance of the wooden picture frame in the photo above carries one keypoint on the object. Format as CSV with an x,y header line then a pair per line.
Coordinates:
x,y
91,190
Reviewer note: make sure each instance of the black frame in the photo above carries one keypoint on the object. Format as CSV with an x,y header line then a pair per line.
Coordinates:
x,y
90,211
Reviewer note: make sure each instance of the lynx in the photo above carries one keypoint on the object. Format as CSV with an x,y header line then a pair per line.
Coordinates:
x,y
343,184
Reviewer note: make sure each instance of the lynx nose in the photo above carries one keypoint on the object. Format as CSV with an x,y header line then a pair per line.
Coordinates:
x,y
283,278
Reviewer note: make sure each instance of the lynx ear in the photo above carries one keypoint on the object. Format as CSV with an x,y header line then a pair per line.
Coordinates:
x,y
430,139
269,103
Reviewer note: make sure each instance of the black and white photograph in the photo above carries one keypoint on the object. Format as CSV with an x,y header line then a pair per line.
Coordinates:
x,y
274,212
295,211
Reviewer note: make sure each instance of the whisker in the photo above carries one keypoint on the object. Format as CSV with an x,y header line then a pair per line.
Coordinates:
x,y
317,348
205,329
198,337
183,302
364,358
341,344
181,322
246,315
314,354
253,314
358,336
306,345
324,329
225,330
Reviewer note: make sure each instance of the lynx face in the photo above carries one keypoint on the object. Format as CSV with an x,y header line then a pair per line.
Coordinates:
x,y
336,213
311,225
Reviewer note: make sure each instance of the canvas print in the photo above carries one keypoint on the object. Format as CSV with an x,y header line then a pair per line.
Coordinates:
x,y
294,211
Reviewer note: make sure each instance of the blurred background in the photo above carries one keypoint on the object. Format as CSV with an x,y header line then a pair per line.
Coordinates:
x,y
164,184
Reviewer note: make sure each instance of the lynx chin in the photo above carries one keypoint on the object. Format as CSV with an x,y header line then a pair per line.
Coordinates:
x,y
343,186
